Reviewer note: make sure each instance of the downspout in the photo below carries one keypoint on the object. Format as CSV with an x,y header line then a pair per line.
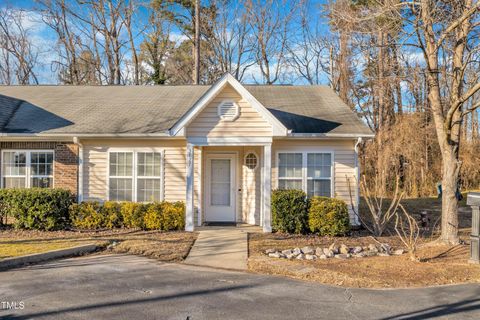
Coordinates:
x,y
357,178
76,140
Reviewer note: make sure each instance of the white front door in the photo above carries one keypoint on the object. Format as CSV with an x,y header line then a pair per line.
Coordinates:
x,y
220,201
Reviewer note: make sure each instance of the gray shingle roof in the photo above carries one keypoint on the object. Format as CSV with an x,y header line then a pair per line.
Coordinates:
x,y
155,109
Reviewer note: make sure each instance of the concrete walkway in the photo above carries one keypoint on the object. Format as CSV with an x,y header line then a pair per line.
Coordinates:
x,y
221,247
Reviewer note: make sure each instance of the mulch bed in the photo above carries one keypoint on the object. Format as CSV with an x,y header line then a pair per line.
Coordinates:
x,y
438,265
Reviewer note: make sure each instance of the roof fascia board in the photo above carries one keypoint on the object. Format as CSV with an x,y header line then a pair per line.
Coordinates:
x,y
278,128
67,136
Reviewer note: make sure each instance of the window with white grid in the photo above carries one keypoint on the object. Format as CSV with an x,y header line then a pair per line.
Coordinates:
x,y
135,176
27,168
307,171
290,171
121,176
149,165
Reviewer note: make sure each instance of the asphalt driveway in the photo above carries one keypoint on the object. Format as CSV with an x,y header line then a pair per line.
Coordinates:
x,y
129,287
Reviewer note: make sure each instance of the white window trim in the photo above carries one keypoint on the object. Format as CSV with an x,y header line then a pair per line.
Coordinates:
x,y
304,177
28,176
237,110
134,176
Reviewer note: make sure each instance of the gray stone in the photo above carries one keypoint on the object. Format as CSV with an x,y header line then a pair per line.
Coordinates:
x,y
275,255
287,252
329,253
319,251
310,257
398,252
301,256
308,250
357,250
370,253
290,256
360,254
334,248
268,251
296,251
344,249
342,256
322,257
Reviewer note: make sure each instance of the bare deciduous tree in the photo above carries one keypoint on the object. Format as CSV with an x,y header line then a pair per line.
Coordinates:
x,y
270,23
231,46
18,55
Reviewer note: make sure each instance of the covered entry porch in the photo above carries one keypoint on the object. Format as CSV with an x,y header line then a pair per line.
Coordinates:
x,y
229,181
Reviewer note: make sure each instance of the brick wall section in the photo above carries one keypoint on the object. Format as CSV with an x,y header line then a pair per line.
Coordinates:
x,y
65,168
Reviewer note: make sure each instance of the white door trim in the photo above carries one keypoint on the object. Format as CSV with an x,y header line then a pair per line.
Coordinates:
x,y
208,210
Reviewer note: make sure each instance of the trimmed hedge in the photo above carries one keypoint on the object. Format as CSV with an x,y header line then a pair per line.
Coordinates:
x,y
328,216
165,216
37,208
289,211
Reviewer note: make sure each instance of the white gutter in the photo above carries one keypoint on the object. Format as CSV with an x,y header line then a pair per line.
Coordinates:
x,y
76,140
331,135
357,178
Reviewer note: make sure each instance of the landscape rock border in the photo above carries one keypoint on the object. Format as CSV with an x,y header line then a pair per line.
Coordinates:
x,y
334,251
10,263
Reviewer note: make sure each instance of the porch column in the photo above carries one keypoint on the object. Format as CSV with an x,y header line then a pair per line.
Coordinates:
x,y
189,224
267,187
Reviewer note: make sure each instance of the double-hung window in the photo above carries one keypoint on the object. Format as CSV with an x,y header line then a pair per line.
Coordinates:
x,y
290,174
135,176
307,171
27,169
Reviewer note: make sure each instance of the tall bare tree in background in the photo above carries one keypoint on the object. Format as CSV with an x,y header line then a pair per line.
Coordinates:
x,y
310,52
270,22
18,55
446,34
449,29
231,43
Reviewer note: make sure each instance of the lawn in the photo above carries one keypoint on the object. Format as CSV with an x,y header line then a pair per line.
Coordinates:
x,y
165,246
439,264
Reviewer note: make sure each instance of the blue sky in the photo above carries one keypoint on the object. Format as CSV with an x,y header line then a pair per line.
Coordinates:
x,y
45,38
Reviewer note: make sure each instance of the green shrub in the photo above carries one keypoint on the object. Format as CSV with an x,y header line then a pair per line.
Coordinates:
x,y
173,216
133,214
165,216
153,216
36,208
289,211
112,214
328,216
87,215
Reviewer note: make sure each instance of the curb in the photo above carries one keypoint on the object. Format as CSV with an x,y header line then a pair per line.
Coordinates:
x,y
10,263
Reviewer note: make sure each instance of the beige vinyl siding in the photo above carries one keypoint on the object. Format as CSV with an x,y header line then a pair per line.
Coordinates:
x,y
96,166
249,123
344,163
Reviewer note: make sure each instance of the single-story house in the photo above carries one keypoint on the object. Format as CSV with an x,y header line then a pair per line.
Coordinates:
x,y
221,149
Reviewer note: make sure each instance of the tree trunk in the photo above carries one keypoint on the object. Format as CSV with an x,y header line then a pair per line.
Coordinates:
x,y
451,169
